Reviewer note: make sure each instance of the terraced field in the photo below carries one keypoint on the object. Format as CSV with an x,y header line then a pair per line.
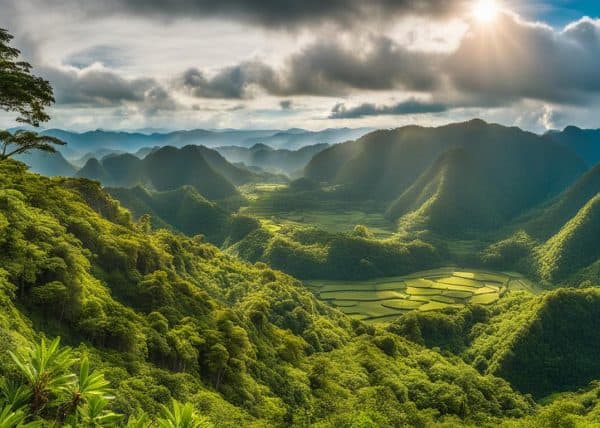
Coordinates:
x,y
384,299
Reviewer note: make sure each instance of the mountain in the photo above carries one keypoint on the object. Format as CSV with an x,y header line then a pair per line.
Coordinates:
x,y
165,169
574,247
49,164
266,157
585,142
542,344
294,139
452,196
98,154
547,220
164,316
384,164
79,144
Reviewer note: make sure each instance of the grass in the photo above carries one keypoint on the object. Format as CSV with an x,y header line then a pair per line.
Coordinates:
x,y
382,300
330,216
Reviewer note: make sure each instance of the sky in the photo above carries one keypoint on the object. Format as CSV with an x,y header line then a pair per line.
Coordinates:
x,y
313,64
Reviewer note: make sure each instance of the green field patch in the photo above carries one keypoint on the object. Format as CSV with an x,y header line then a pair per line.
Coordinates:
x,y
413,291
455,280
402,304
443,299
362,295
486,290
458,294
384,299
450,287
485,299
345,304
436,306
374,309
419,283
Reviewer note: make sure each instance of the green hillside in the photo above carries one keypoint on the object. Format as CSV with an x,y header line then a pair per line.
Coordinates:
x,y
384,164
585,142
574,247
184,210
165,169
454,195
50,164
166,316
548,220
543,344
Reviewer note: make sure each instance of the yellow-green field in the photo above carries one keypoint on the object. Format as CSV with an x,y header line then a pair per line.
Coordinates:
x,y
384,299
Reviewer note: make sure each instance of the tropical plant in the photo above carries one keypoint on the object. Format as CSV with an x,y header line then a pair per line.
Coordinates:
x,y
46,369
181,416
95,414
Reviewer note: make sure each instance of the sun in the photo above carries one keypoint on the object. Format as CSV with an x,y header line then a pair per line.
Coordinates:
x,y
485,10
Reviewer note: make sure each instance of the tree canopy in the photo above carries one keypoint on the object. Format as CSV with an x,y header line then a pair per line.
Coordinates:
x,y
21,91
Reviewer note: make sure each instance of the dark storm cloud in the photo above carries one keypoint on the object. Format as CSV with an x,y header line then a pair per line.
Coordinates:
x,y
517,59
103,88
271,13
285,104
325,68
230,82
411,106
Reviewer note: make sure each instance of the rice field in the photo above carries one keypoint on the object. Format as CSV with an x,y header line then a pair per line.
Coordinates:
x,y
384,299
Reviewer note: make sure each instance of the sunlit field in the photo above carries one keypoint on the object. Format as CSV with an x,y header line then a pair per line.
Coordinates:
x,y
384,299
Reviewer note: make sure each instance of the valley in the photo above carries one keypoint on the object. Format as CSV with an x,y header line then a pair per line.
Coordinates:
x,y
382,300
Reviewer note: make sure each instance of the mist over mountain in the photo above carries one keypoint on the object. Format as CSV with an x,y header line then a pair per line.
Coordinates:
x,y
79,144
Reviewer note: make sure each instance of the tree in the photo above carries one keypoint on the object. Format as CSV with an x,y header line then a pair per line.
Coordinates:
x,y
21,91
24,141
26,94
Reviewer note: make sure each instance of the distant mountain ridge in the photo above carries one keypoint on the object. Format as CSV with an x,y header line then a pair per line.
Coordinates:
x,y
79,144
165,169
521,168
585,142
261,155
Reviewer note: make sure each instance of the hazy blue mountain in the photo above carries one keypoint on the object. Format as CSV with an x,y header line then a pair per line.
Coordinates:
x,y
585,142
50,164
79,144
266,157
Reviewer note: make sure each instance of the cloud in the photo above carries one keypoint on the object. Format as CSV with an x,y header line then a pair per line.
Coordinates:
x,y
517,59
323,68
270,13
96,86
410,106
286,104
231,82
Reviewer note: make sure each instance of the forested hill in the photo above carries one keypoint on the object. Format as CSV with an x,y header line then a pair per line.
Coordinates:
x,y
163,315
384,164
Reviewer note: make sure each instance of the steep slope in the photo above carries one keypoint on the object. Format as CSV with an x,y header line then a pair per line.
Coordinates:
x,y
574,247
167,168
454,195
383,164
183,209
584,142
49,164
167,316
546,221
94,170
542,344
235,174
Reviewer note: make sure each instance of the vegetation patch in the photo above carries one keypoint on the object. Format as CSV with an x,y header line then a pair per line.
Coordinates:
x,y
381,300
